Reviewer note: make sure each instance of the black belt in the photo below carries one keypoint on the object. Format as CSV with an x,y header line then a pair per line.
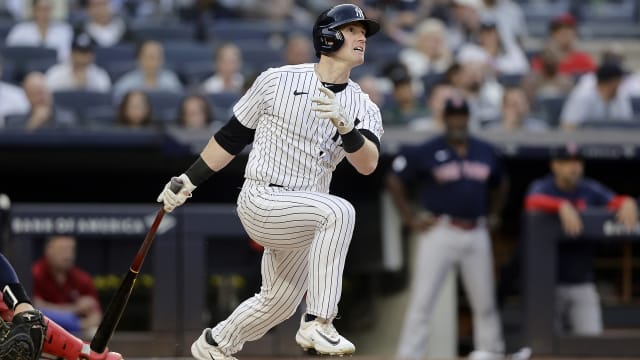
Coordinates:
x,y
275,185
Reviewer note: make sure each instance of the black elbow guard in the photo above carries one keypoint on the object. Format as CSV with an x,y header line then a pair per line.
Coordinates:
x,y
234,136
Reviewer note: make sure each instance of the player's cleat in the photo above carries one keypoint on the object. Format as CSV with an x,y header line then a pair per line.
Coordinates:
x,y
485,355
203,349
522,354
323,338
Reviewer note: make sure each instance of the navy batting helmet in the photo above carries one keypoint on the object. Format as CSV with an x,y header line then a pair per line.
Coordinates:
x,y
326,36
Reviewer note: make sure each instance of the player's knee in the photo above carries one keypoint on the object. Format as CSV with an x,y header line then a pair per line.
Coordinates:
x,y
343,213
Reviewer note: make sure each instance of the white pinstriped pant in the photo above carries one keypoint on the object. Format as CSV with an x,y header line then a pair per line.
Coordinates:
x,y
438,249
306,236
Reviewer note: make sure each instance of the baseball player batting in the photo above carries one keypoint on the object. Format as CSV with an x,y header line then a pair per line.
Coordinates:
x,y
303,120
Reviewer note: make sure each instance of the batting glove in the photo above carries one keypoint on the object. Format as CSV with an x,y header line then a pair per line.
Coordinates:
x,y
172,200
329,108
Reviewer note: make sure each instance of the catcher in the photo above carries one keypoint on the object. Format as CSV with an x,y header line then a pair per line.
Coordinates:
x,y
25,334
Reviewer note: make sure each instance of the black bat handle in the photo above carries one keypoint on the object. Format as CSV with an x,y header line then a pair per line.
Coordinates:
x,y
176,184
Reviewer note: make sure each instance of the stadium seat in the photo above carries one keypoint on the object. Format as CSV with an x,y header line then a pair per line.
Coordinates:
x,y
176,54
194,73
15,121
9,72
257,55
5,27
29,58
223,31
165,105
117,69
81,101
114,54
162,32
550,109
223,100
635,105
100,116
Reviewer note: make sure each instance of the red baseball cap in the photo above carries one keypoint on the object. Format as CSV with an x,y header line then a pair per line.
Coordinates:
x,y
562,21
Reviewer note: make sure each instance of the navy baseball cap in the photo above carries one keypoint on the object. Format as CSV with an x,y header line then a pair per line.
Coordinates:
x,y
456,105
83,42
609,71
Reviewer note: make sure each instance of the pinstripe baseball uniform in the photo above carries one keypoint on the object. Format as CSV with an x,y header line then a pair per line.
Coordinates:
x,y
284,204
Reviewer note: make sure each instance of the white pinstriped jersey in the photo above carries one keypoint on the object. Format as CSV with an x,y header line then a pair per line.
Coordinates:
x,y
292,147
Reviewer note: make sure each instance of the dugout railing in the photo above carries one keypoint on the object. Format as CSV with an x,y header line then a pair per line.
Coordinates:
x,y
541,234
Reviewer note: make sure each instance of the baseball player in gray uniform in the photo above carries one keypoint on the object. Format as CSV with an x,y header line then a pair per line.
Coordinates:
x,y
303,120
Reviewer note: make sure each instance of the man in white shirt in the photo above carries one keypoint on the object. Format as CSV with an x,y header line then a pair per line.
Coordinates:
x,y
12,100
105,28
598,101
80,72
42,31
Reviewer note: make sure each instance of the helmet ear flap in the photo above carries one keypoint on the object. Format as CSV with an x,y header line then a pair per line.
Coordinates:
x,y
330,39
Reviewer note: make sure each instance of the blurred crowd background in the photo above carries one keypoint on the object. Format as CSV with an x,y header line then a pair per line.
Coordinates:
x,y
531,65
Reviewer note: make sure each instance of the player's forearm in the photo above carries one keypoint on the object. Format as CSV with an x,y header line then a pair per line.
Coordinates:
x,y
365,159
215,156
498,198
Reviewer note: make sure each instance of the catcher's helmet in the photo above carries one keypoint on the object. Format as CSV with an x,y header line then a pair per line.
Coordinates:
x,y
327,37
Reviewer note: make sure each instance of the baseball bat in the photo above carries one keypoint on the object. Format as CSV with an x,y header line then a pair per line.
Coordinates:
x,y
114,311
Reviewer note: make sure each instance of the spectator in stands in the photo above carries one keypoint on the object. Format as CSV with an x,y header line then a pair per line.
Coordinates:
x,y
563,36
64,292
567,193
298,50
43,112
516,114
405,107
12,99
435,106
598,101
102,25
134,110
505,55
150,74
510,18
370,85
548,81
476,80
465,22
428,52
195,113
227,76
79,72
42,31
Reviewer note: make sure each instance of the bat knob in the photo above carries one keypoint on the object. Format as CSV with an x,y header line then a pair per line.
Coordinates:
x,y
176,184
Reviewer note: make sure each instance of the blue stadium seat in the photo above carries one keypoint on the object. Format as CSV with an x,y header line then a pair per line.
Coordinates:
x,y
194,73
635,105
82,101
114,54
100,116
29,58
5,27
117,69
223,100
15,121
177,54
164,105
550,109
257,55
162,32
223,31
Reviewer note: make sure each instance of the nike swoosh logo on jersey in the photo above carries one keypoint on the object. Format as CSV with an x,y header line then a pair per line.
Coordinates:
x,y
332,342
296,92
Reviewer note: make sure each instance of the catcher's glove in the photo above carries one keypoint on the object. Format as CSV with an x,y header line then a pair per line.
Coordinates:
x,y
23,338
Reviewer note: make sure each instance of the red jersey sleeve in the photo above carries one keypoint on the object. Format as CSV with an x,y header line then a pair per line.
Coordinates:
x,y
542,202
